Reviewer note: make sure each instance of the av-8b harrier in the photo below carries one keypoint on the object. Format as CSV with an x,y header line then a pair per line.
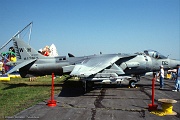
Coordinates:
x,y
93,68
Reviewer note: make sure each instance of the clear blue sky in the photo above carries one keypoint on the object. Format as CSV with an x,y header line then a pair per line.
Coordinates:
x,y
85,27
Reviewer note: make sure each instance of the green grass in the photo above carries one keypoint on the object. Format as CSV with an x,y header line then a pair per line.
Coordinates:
x,y
20,93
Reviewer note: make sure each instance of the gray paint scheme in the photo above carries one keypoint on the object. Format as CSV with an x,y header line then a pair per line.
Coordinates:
x,y
107,67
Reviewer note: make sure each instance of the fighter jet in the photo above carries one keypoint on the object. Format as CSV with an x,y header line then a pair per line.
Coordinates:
x,y
93,68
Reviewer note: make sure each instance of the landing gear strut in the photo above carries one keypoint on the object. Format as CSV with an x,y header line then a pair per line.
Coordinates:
x,y
88,85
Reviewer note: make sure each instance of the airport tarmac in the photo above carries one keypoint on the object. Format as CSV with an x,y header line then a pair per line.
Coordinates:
x,y
105,102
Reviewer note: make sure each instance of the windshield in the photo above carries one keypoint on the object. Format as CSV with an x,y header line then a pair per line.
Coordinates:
x,y
154,54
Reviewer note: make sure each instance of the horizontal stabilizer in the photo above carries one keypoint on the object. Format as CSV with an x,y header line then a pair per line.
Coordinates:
x,y
21,65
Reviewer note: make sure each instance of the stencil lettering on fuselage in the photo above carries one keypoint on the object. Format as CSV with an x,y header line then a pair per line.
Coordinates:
x,y
164,62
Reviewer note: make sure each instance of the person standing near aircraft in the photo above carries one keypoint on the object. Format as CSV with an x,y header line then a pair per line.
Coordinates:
x,y
177,82
161,77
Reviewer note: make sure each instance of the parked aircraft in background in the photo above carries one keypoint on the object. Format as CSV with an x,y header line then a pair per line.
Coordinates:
x,y
93,68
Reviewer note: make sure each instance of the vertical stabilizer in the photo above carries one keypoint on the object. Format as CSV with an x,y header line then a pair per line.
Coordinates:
x,y
53,50
24,51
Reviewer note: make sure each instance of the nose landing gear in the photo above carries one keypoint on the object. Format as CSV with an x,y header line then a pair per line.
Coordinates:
x,y
132,84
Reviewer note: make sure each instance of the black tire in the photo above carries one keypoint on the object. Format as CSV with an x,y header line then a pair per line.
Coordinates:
x,y
132,83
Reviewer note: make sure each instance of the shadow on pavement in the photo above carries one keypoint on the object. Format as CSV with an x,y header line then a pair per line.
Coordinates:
x,y
72,89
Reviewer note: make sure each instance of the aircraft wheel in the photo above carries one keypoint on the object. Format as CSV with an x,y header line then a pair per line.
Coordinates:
x,y
132,83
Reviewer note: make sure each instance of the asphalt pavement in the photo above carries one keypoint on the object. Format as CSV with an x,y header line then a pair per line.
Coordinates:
x,y
105,102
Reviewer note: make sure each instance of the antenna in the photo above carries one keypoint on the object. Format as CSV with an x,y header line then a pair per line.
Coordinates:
x,y
168,55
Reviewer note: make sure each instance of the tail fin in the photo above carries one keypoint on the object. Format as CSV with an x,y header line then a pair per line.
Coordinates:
x,y
24,51
53,50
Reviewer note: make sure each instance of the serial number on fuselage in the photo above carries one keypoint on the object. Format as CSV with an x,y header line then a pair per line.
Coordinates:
x,y
34,55
30,58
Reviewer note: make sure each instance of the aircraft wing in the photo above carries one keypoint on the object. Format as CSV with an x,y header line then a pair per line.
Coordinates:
x,y
93,65
21,65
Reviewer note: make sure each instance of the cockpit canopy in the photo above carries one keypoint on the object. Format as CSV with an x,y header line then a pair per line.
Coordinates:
x,y
154,54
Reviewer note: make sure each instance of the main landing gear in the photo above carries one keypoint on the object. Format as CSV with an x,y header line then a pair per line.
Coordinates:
x,y
88,85
132,83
